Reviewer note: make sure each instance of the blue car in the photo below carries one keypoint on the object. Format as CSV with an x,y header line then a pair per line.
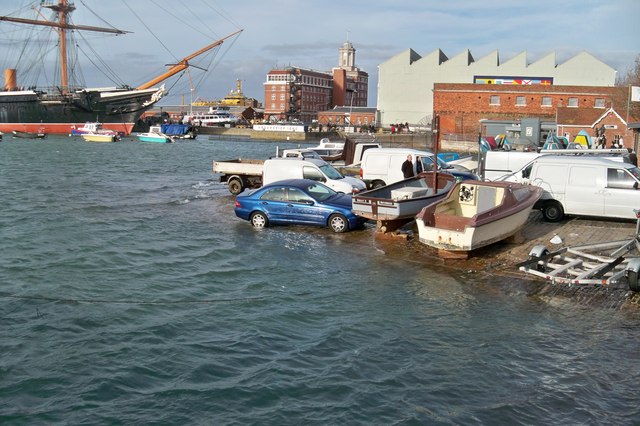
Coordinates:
x,y
297,202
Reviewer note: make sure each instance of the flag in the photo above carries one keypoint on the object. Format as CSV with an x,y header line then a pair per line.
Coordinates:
x,y
635,93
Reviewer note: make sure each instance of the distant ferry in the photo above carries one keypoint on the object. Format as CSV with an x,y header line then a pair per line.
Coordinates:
x,y
213,118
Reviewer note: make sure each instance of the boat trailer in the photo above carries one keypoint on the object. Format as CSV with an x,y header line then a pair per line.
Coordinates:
x,y
589,265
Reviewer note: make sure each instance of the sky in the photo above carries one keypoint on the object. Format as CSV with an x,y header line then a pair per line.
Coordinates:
x,y
308,33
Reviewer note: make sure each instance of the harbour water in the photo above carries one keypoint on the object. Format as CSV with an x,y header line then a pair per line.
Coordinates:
x,y
131,294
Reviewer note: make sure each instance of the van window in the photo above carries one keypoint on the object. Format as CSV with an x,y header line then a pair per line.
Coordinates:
x,y
312,173
582,176
619,178
527,171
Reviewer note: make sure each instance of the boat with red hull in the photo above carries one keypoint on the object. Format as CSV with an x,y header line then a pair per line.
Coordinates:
x,y
60,109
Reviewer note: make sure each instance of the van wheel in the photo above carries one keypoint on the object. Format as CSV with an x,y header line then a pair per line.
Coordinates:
x,y
377,184
552,211
235,186
259,220
338,223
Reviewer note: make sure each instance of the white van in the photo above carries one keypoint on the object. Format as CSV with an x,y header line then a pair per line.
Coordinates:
x,y
276,169
500,163
585,186
383,166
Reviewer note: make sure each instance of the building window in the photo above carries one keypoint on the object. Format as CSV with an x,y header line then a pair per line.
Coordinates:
x,y
521,101
281,106
282,96
494,100
273,106
573,102
273,96
546,101
599,103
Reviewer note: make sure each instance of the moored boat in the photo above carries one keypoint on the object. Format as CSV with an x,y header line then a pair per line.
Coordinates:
x,y
28,135
475,214
154,135
66,104
92,127
99,137
398,203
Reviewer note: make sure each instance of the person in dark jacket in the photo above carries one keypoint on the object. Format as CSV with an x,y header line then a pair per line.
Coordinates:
x,y
407,167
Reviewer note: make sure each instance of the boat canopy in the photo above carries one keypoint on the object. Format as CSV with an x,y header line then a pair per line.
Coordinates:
x,y
175,129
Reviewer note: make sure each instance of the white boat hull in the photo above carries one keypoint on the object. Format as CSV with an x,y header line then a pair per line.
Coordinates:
x,y
471,238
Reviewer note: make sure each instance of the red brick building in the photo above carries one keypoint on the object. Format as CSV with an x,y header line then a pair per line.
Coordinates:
x,y
294,93
462,106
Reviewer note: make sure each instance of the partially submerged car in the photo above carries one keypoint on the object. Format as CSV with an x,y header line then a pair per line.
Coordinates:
x,y
297,202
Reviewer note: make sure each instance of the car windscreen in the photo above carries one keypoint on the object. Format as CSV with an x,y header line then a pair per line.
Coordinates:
x,y
331,172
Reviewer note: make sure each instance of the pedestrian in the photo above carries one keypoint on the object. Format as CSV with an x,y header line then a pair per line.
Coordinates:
x,y
407,167
633,158
419,168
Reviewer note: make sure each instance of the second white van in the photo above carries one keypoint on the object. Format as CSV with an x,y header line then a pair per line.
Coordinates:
x,y
585,186
276,169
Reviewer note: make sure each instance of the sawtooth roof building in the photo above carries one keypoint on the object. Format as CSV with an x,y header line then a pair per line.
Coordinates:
x,y
406,81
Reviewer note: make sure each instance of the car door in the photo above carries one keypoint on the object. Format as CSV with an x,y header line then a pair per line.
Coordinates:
x,y
274,203
303,209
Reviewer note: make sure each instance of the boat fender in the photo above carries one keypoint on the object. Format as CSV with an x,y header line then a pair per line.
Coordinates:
x,y
632,272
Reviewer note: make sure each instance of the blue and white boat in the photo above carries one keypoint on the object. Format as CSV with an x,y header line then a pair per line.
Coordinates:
x,y
154,135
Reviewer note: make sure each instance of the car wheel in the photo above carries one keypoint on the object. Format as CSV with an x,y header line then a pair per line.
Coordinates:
x,y
259,220
338,223
235,186
553,211
377,184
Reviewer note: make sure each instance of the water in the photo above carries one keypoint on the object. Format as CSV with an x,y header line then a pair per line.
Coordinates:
x,y
131,294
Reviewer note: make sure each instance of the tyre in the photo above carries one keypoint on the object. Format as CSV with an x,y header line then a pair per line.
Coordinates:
x,y
632,273
552,211
259,220
235,186
377,184
338,223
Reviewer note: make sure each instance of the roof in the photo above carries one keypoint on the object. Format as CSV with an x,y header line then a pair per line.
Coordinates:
x,y
579,116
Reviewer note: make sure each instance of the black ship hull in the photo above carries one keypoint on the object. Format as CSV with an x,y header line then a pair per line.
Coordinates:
x,y
35,111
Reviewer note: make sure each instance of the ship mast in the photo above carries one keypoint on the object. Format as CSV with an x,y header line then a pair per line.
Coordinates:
x,y
63,8
184,63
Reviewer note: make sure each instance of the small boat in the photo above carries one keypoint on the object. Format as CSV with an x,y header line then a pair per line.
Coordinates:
x,y
28,135
100,137
91,127
329,151
154,135
475,214
398,203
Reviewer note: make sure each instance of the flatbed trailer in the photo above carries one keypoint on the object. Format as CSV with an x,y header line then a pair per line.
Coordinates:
x,y
600,264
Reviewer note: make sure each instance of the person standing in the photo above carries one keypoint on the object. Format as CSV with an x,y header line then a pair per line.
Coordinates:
x,y
407,167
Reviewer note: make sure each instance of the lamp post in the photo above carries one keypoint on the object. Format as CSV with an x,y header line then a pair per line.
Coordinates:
x,y
353,92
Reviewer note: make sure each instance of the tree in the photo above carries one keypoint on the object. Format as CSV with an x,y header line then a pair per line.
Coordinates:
x,y
631,78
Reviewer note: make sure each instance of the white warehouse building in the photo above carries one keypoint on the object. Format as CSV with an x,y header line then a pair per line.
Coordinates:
x,y
405,82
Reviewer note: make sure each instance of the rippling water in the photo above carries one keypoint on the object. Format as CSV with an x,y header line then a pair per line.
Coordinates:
x,y
131,294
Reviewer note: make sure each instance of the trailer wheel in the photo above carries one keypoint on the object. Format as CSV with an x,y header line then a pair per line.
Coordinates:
x,y
537,252
632,272
377,184
235,185
552,211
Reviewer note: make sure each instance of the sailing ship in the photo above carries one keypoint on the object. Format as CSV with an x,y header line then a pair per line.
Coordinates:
x,y
58,110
